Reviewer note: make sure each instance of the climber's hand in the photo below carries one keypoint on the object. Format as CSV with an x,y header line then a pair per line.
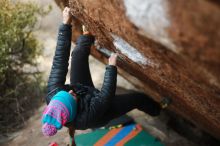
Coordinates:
x,y
85,30
67,17
113,59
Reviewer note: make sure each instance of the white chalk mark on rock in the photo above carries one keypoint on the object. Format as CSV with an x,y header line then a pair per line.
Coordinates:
x,y
151,17
131,52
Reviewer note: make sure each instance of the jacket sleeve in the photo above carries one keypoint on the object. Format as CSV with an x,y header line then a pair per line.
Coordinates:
x,y
100,103
110,81
60,64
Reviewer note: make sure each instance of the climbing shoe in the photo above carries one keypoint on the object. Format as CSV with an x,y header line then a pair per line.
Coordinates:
x,y
165,102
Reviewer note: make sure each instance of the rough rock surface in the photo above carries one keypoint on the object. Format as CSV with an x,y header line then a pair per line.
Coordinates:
x,y
167,48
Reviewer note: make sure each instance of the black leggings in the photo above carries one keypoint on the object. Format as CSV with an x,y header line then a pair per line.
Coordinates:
x,y
121,104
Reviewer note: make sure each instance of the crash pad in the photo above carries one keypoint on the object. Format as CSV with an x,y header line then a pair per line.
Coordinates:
x,y
128,135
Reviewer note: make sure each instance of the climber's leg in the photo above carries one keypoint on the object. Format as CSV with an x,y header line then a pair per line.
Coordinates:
x,y
80,72
121,104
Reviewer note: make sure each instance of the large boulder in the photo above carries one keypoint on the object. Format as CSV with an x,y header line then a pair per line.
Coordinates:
x,y
168,48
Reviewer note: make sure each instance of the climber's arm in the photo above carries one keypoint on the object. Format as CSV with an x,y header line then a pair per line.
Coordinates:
x,y
60,63
100,103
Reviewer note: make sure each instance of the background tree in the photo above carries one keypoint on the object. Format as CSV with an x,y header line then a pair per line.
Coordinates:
x,y
20,81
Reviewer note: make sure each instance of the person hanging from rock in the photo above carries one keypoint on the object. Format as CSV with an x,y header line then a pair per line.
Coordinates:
x,y
80,105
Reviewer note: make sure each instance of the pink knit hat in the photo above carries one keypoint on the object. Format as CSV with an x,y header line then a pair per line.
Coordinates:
x,y
61,109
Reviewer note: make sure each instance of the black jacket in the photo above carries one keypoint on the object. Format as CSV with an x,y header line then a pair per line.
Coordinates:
x,y
91,103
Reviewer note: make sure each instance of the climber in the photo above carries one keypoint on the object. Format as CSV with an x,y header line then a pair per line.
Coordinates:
x,y
80,105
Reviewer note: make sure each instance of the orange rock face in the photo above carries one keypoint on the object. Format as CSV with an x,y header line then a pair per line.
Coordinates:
x,y
167,48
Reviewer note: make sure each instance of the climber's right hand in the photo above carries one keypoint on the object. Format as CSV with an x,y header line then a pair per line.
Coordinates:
x,y
113,59
67,17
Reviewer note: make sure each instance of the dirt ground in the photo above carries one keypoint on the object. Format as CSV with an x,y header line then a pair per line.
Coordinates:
x,y
31,134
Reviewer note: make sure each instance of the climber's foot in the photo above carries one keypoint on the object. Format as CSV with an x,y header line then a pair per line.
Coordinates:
x,y
165,102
